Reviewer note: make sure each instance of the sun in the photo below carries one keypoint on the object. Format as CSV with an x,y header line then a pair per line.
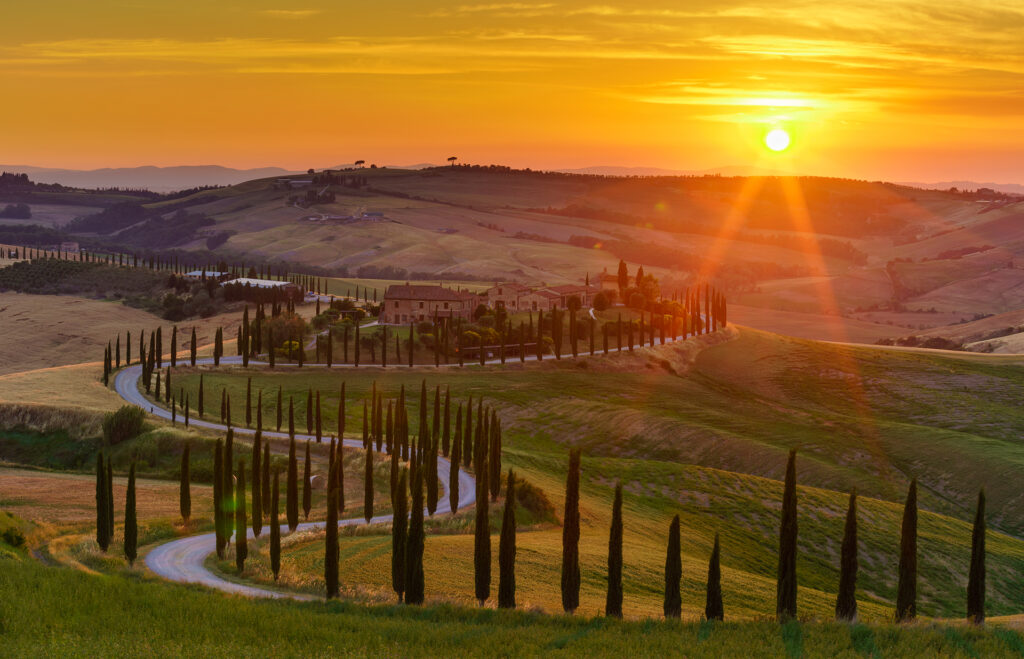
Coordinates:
x,y
777,139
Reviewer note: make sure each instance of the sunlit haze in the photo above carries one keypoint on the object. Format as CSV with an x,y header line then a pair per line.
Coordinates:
x,y
902,90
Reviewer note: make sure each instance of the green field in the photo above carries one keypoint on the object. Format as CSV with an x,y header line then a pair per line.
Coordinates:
x,y
53,611
860,417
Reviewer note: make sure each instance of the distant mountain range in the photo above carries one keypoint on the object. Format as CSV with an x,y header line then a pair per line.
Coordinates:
x,y
170,179
157,179
1008,188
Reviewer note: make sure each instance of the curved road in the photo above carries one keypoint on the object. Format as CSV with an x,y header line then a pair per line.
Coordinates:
x,y
183,560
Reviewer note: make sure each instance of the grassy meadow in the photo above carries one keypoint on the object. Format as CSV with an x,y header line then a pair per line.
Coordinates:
x,y
861,417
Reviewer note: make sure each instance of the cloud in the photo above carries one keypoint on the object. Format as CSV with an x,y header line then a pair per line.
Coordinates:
x,y
290,13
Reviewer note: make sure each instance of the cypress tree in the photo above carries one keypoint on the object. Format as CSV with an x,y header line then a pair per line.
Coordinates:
x,y
331,537
318,425
453,465
131,528
218,347
280,407
307,495
713,609
494,455
613,602
785,592
906,590
110,501
368,484
482,540
218,485
976,576
174,346
275,530
292,504
430,455
102,509
241,536
571,536
507,548
399,531
414,546
265,486
257,480
185,489
447,436
156,388
673,606
309,411
228,488
192,347
846,601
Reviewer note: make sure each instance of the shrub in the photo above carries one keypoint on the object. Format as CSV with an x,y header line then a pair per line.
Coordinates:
x,y
13,536
601,302
123,424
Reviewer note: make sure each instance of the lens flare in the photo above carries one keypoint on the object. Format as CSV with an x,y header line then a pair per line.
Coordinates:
x,y
777,139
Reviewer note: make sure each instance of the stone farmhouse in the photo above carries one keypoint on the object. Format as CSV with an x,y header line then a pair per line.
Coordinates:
x,y
419,302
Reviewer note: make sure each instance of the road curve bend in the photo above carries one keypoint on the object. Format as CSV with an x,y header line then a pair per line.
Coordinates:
x,y
183,560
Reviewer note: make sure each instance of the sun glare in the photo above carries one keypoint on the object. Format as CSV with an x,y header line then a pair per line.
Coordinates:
x,y
777,139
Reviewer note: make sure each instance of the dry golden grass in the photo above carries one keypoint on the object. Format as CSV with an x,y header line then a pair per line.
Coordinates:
x,y
57,498
78,386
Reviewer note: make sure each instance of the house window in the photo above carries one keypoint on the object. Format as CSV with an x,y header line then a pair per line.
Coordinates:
x,y
445,305
421,306
396,304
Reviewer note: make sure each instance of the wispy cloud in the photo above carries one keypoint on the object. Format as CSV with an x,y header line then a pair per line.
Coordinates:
x,y
291,13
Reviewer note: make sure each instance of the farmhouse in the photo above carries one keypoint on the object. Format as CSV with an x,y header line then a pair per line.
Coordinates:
x,y
505,296
539,300
419,302
584,293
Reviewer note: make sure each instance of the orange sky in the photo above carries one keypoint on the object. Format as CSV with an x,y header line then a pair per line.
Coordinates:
x,y
900,90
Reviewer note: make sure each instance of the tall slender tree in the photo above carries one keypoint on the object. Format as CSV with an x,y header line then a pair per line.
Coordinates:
x,y
414,585
131,527
906,589
507,548
976,575
368,484
192,348
257,484
571,536
846,601
102,509
307,494
241,534
713,609
110,500
218,509
785,592
613,602
275,529
673,606
185,488
265,484
292,503
399,532
331,538
482,539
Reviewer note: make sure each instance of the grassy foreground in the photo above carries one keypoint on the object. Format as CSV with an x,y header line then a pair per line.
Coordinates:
x,y
61,612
